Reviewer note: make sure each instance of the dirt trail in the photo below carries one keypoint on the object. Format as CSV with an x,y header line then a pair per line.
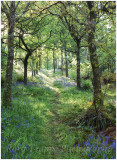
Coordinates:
x,y
54,122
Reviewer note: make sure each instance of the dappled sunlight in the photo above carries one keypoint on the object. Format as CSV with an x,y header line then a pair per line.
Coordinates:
x,y
50,114
48,80
58,80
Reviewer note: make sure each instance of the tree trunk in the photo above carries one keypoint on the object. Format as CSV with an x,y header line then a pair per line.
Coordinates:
x,y
61,61
7,95
36,67
56,64
78,65
25,71
53,61
66,63
98,98
34,73
32,67
39,61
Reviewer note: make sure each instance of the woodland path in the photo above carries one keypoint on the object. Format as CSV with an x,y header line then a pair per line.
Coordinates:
x,y
45,121
54,124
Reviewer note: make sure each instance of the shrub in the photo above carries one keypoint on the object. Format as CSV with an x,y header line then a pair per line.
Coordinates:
x,y
2,80
108,77
58,84
72,74
19,78
89,118
87,84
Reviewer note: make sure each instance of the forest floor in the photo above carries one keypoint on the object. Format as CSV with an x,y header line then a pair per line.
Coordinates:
x,y
41,124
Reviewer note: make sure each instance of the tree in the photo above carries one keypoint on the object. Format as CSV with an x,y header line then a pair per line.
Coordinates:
x,y
10,13
67,13
9,8
28,44
98,98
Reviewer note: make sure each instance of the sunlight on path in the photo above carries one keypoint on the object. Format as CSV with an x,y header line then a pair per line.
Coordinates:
x,y
47,76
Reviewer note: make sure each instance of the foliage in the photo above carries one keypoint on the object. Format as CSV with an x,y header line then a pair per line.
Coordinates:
x,y
30,128
63,82
2,80
87,84
108,77
50,117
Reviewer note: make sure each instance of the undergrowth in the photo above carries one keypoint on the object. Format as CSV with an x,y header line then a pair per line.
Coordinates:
x,y
31,129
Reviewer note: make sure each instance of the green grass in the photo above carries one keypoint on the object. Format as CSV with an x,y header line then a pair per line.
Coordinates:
x,y
41,122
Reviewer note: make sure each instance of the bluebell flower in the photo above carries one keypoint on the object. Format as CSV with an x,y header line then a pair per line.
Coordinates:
x,y
106,142
93,132
18,157
4,156
13,157
3,138
87,144
102,135
11,151
25,146
12,140
91,137
99,139
8,146
107,137
114,143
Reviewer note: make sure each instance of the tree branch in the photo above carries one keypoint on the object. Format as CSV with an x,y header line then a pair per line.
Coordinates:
x,y
4,9
25,10
17,5
42,42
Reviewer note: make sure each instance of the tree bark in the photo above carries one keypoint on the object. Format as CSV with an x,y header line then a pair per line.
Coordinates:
x,y
54,61
36,67
78,65
7,95
56,64
34,73
25,71
61,61
26,66
39,61
98,98
66,63
32,67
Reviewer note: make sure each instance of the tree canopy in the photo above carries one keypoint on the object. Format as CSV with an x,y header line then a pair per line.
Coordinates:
x,y
72,40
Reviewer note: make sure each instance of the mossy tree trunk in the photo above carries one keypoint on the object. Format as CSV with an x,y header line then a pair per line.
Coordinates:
x,y
32,67
78,65
25,71
36,67
54,66
40,62
56,63
66,63
26,66
97,98
62,61
7,95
